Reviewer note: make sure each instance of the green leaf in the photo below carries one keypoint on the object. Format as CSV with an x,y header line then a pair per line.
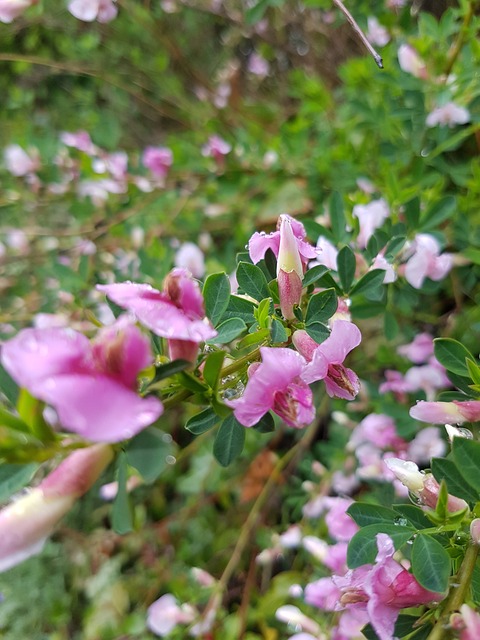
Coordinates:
x,y
8,387
430,563
394,246
266,424
321,306
122,520
474,371
216,293
314,274
148,452
262,312
370,281
317,331
192,383
278,333
254,338
212,368
415,516
239,308
438,213
171,368
405,626
466,454
14,477
30,411
445,469
337,217
7,419
252,281
229,441
202,422
228,330
452,355
364,514
346,265
363,549
412,213
390,325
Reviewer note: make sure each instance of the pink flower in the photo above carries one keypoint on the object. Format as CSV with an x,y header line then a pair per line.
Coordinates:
x,y
260,242
90,10
428,378
370,217
410,62
426,445
191,257
325,361
92,386
381,262
426,262
293,616
419,350
289,269
26,523
79,140
378,429
449,115
258,65
216,148
377,34
471,623
177,313
455,412
11,9
17,161
165,614
326,253
275,385
158,160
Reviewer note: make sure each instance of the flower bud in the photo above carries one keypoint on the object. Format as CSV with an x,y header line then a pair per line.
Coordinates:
x,y
289,269
475,530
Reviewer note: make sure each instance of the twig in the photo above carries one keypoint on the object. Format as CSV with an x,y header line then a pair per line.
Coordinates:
x,y
363,38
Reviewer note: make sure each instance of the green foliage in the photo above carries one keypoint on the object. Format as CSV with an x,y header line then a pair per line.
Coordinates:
x,y
430,563
229,441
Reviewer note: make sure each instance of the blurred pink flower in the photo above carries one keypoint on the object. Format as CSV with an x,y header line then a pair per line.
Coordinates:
x,y
325,360
190,256
275,385
325,253
92,386
158,160
11,9
377,33
370,217
449,115
260,242
419,350
410,62
293,616
378,429
426,445
426,261
471,623
26,523
216,148
258,65
18,162
381,262
79,140
90,10
455,412
165,614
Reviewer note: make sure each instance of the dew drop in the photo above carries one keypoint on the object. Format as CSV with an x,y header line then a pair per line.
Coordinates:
x,y
170,460
466,433
415,498
400,521
166,437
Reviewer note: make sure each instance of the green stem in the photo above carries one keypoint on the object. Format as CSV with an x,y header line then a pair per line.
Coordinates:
x,y
458,593
459,42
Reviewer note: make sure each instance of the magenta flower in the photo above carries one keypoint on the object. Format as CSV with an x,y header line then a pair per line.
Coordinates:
x,y
90,10
370,217
325,361
380,590
11,9
455,412
158,160
426,261
92,386
26,523
177,313
260,242
276,385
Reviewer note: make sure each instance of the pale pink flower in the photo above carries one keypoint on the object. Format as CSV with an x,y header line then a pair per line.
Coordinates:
x,y
17,240
289,269
216,148
17,161
79,140
92,386
158,160
190,256
410,62
370,217
276,385
165,614
475,530
325,361
176,313
90,10
426,445
426,261
449,115
109,491
293,616
11,9
378,429
325,253
381,262
26,523
428,378
455,412
115,163
260,242
419,350
99,190
471,622
258,65
377,33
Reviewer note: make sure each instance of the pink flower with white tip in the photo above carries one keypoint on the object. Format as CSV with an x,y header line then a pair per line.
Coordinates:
x,y
455,412
176,313
276,385
260,242
90,10
91,385
289,269
325,361
426,261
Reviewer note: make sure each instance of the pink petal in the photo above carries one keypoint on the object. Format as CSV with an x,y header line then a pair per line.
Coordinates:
x,y
85,10
98,408
260,243
344,337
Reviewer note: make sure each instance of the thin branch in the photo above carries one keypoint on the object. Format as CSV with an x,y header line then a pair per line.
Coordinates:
x,y
363,38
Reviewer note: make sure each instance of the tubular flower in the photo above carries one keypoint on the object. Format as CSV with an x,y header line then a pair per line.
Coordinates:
x,y
26,523
276,384
176,313
455,412
325,361
92,386
260,242
289,269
